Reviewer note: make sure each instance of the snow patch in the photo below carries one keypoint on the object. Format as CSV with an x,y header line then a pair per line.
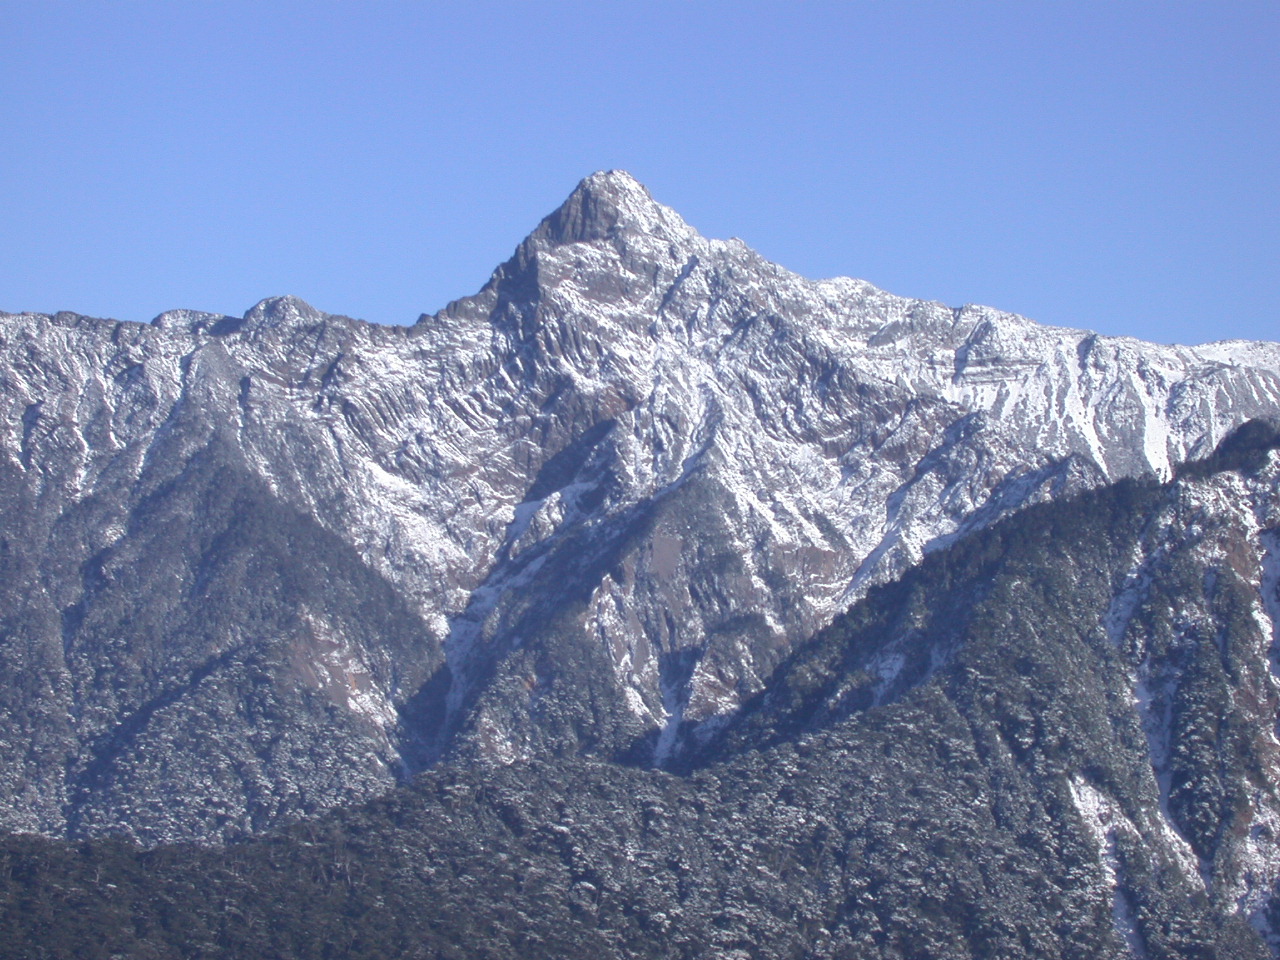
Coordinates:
x,y
1103,819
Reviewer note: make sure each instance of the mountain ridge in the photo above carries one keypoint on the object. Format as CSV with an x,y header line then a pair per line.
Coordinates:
x,y
610,491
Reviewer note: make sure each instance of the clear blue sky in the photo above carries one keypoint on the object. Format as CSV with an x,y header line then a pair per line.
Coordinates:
x,y
1110,165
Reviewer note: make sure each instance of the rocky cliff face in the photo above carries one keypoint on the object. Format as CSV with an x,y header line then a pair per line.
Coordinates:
x,y
256,567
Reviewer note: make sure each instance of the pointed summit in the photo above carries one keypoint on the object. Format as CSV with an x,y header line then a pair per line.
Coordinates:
x,y
605,203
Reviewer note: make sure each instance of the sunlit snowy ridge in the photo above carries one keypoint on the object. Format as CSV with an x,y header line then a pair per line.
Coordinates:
x,y
682,456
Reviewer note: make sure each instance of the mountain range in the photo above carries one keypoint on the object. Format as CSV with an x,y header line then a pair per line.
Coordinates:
x,y
664,602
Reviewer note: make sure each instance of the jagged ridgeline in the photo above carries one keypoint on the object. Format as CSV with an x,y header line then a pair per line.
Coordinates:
x,y
582,526
1051,739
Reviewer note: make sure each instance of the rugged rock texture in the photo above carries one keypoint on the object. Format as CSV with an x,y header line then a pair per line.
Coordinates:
x,y
256,567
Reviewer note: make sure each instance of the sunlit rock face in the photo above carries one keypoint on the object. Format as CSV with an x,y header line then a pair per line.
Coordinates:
x,y
256,567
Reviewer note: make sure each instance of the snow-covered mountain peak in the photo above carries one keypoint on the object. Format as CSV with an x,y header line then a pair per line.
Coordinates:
x,y
636,451
606,203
